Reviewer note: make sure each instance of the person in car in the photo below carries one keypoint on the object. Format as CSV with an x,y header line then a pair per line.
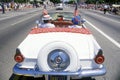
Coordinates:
x,y
47,22
60,18
76,22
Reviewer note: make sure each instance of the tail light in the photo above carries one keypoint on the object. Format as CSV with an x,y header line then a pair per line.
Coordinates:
x,y
18,56
99,59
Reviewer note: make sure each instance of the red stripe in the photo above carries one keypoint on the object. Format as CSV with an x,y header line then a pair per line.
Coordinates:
x,y
71,30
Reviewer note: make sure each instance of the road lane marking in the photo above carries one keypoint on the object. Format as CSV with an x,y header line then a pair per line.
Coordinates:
x,y
24,19
105,35
110,19
18,14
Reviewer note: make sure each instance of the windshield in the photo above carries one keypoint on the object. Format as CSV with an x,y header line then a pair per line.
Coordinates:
x,y
66,15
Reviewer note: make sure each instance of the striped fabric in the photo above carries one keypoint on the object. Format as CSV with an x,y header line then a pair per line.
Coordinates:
x,y
70,30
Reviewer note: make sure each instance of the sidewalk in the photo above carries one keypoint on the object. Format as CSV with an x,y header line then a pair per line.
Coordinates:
x,y
9,14
106,12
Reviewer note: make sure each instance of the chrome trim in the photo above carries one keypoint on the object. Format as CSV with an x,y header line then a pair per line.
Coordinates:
x,y
80,73
58,60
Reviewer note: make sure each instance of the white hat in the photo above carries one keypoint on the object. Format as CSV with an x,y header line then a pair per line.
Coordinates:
x,y
46,17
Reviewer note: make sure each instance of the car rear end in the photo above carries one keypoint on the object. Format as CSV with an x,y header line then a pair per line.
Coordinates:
x,y
59,54
59,7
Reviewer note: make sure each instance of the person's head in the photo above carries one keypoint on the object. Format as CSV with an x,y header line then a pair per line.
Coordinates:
x,y
46,18
76,20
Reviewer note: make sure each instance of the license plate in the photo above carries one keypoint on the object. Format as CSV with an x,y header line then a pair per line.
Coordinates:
x,y
56,77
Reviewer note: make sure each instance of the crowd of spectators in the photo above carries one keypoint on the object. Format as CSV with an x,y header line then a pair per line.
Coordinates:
x,y
17,6
12,6
109,8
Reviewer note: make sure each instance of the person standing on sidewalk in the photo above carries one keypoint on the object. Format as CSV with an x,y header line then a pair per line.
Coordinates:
x,y
105,8
3,8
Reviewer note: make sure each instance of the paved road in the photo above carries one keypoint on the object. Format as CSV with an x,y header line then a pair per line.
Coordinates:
x,y
17,28
10,14
106,29
14,27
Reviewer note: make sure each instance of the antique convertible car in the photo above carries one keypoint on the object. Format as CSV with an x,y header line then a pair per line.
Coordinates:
x,y
59,53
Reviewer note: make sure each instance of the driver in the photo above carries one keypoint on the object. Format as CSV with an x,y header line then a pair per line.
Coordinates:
x,y
47,22
60,18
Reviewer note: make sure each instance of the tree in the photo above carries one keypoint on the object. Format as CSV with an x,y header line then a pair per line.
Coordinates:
x,y
56,1
103,1
90,1
112,1
71,2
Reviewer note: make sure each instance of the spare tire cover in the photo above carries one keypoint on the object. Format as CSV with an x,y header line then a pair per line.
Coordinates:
x,y
44,52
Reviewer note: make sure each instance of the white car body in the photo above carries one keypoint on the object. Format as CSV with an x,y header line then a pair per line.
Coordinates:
x,y
78,43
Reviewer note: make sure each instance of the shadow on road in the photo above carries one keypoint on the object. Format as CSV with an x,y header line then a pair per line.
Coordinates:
x,y
20,77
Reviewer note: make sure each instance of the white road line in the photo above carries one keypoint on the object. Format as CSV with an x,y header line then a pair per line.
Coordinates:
x,y
105,35
105,18
12,15
110,19
23,19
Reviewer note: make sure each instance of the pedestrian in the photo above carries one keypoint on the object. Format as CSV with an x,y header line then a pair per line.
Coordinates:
x,y
3,8
115,10
105,8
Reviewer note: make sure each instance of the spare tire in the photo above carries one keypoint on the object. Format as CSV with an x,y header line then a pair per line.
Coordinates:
x,y
45,51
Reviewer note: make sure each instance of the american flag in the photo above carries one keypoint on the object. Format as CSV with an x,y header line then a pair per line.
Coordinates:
x,y
45,12
76,12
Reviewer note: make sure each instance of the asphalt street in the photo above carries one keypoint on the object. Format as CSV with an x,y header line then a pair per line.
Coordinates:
x,y
14,27
10,14
106,30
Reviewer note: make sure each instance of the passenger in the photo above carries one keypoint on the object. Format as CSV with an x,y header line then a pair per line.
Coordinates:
x,y
76,22
47,22
60,18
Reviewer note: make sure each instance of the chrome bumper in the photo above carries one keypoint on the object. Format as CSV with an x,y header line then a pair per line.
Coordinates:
x,y
80,73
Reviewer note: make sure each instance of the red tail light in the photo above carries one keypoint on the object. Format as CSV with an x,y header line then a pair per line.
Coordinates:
x,y
99,59
18,57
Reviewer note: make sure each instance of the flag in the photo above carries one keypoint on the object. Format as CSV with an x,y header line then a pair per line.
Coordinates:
x,y
76,19
76,12
45,12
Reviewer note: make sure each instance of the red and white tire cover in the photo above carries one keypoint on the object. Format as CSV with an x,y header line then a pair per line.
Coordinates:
x,y
44,52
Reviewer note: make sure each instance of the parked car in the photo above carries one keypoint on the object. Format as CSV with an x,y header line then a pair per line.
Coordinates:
x,y
59,53
59,6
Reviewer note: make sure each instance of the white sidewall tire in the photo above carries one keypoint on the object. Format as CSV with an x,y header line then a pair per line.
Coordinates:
x,y
44,52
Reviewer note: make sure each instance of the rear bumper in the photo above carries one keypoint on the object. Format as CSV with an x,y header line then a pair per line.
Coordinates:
x,y
79,73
